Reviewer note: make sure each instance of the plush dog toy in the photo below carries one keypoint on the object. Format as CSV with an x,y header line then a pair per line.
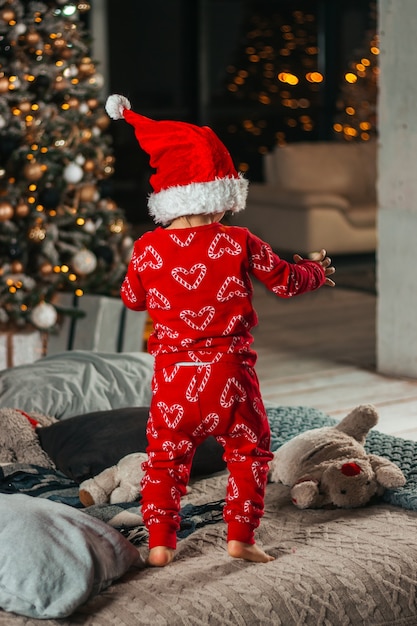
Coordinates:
x,y
329,466
19,442
119,483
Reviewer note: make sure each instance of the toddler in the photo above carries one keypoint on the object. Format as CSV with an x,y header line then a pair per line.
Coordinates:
x,y
193,275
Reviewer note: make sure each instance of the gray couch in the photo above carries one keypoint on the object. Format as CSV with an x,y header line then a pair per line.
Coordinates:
x,y
316,195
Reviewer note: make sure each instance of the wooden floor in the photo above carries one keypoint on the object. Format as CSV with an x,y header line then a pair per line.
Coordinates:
x,y
318,350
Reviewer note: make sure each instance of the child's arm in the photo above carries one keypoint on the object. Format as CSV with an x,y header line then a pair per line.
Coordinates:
x,y
132,292
287,279
323,260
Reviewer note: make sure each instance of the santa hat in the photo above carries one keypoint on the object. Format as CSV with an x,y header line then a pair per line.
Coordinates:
x,y
194,171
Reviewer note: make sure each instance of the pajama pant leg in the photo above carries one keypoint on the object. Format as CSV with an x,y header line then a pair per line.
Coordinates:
x,y
170,452
247,454
189,404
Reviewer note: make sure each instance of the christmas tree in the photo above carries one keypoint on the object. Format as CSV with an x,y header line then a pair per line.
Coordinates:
x,y
273,84
59,230
357,101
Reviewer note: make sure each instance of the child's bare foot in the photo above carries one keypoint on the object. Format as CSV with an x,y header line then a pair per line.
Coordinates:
x,y
247,551
159,556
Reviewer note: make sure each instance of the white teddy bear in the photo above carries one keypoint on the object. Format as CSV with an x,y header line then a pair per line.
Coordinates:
x,y
119,483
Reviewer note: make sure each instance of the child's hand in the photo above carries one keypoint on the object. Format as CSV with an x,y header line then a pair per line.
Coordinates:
x,y
324,261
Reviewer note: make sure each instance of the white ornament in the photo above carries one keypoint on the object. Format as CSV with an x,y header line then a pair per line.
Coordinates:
x,y
2,122
73,173
80,159
127,243
127,249
84,262
71,71
19,29
84,108
44,316
4,318
96,81
89,227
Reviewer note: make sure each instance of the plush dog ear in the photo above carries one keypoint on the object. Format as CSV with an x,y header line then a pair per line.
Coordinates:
x,y
304,493
359,422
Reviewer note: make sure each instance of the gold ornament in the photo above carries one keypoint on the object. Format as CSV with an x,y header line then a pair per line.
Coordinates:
x,y
37,233
89,165
33,171
46,269
83,7
32,37
102,122
25,106
59,43
66,53
6,211
86,66
87,193
7,15
73,102
60,83
86,135
4,84
22,210
17,267
93,103
117,226
108,170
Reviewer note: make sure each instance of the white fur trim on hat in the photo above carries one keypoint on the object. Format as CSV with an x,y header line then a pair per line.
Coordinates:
x,y
115,105
216,196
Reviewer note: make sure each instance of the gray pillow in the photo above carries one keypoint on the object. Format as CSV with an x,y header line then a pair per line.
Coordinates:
x,y
78,381
53,558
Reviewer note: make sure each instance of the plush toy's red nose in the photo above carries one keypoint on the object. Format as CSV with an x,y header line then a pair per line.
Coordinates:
x,y
350,469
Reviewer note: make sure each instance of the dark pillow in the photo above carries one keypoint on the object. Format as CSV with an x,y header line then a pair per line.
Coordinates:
x,y
84,445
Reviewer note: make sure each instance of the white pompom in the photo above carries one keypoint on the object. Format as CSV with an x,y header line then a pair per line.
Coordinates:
x,y
115,105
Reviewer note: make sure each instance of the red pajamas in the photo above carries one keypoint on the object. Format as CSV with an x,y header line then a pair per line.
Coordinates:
x,y
191,402
196,285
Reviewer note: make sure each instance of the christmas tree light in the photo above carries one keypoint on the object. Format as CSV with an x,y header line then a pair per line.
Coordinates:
x,y
59,231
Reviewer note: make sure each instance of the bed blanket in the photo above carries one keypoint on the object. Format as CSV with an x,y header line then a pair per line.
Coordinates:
x,y
353,567
41,482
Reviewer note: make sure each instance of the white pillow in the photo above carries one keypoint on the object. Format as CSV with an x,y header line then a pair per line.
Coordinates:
x,y
53,558
78,381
